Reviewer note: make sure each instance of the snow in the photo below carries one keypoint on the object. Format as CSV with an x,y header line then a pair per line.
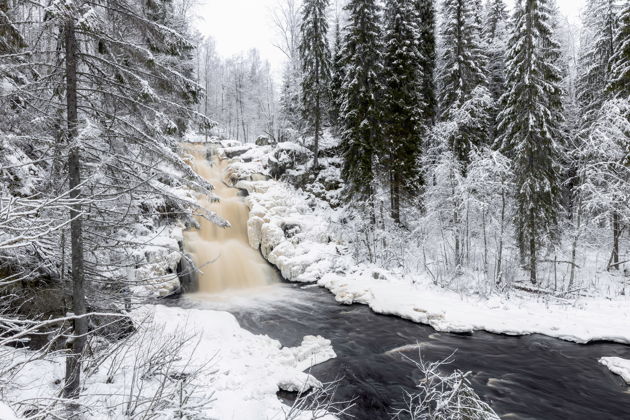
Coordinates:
x,y
618,366
240,372
314,255
6,413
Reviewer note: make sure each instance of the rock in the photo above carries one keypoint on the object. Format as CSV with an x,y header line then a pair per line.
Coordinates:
x,y
263,141
254,225
290,229
271,236
232,152
187,274
287,155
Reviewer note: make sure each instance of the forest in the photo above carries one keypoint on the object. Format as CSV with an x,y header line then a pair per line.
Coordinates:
x,y
182,232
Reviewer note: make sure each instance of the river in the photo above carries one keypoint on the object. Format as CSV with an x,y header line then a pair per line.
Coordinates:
x,y
528,377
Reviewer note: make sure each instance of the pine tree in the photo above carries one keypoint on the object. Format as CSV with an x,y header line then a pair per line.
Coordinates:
x,y
361,135
530,124
462,60
597,49
402,104
619,84
425,12
315,59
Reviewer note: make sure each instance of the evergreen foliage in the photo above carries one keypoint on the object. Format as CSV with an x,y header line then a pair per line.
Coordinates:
x,y
425,11
598,47
337,75
620,67
316,72
361,134
402,102
530,127
495,38
462,67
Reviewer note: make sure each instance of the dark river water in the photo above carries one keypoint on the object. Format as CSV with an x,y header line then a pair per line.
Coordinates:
x,y
529,377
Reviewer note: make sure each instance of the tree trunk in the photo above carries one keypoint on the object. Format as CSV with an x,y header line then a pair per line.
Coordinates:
x,y
574,245
614,256
395,197
532,248
318,124
499,269
73,361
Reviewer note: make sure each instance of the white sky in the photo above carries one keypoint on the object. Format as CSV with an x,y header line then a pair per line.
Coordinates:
x,y
239,25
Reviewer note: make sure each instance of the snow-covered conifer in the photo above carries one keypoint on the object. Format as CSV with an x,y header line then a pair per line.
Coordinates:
x,y
530,124
597,48
496,37
336,78
361,134
619,84
402,102
316,72
425,11
462,66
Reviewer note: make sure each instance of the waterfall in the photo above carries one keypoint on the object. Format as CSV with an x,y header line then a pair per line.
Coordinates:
x,y
223,255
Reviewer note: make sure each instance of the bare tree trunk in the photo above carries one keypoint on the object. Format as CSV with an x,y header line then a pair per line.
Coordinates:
x,y
395,197
574,245
499,269
318,127
532,248
614,256
73,361
485,242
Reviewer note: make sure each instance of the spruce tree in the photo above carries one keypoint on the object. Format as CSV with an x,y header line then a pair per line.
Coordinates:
x,y
425,12
402,102
495,37
337,75
361,134
619,88
462,60
315,59
619,85
530,122
598,47
463,63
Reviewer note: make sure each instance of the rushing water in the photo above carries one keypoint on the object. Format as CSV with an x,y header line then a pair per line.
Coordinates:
x,y
224,256
529,377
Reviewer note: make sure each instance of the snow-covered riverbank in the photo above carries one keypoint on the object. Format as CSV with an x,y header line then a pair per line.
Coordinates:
x,y
293,233
199,362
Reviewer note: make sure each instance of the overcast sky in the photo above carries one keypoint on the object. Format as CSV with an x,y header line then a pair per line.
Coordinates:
x,y
239,25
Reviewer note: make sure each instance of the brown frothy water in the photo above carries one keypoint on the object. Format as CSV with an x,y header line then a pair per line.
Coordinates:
x,y
223,255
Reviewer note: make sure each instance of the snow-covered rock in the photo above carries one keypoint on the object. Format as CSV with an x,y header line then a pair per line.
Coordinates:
x,y
618,366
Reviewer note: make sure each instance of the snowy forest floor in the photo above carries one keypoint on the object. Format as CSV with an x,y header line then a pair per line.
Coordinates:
x,y
180,362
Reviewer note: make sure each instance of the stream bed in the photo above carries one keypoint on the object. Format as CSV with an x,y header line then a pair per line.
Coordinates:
x,y
526,377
